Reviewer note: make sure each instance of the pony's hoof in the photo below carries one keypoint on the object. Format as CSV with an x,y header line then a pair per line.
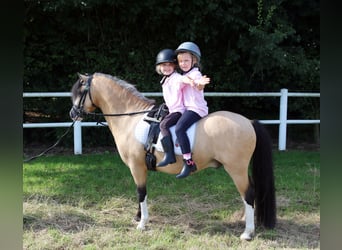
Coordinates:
x,y
247,236
141,227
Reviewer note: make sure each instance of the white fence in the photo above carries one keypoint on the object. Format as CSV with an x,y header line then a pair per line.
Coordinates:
x,y
283,94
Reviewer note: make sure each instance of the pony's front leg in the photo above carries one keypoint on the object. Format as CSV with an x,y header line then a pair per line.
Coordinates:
x,y
142,215
248,234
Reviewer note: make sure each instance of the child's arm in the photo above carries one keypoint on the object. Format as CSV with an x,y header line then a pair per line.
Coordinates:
x,y
188,80
199,84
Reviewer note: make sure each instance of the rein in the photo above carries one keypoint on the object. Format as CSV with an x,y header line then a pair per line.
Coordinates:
x,y
120,114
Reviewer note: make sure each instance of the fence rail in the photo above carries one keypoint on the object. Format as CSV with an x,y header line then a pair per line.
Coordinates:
x,y
283,121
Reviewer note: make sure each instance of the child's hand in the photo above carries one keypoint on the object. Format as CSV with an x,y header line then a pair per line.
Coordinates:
x,y
204,80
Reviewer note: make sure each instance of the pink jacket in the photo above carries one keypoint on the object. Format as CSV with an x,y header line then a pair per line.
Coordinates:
x,y
172,92
194,98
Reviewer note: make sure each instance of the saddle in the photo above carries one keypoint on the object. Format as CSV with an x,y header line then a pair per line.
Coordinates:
x,y
147,132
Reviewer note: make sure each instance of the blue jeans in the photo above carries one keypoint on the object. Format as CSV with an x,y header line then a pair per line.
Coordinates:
x,y
187,119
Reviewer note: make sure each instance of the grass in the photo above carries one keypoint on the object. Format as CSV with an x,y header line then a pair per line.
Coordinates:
x,y
88,202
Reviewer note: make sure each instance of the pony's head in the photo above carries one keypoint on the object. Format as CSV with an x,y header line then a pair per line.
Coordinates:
x,y
81,97
97,90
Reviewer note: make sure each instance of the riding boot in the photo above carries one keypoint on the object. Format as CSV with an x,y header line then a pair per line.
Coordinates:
x,y
169,155
188,167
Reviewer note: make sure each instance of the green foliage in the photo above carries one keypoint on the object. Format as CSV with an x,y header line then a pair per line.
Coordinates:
x,y
246,46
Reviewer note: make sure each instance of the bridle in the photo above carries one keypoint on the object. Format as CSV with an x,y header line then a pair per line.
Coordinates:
x,y
78,109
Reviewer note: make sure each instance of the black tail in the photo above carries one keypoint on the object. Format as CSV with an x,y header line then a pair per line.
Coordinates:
x,y
263,178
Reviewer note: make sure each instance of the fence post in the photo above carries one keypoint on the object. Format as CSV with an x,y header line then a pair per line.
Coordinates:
x,y
78,138
283,119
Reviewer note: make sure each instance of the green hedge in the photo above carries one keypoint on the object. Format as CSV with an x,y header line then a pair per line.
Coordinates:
x,y
246,46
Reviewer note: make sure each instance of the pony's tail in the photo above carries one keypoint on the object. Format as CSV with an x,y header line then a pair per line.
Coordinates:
x,y
263,178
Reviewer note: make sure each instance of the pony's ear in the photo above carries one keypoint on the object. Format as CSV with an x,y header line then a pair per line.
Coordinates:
x,y
84,78
80,75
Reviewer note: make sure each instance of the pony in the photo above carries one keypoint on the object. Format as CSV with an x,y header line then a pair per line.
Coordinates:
x,y
222,138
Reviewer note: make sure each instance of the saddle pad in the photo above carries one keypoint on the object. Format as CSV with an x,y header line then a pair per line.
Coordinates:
x,y
141,133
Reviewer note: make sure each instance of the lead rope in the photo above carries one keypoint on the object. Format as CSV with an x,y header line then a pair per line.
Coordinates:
x,y
54,145
65,133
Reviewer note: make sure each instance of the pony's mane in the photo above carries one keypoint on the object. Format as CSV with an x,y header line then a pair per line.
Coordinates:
x,y
129,87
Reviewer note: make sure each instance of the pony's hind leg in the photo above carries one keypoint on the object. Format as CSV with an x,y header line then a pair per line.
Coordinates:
x,y
248,201
142,214
246,191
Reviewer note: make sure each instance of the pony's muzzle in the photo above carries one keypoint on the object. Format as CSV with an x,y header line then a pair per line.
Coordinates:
x,y
75,114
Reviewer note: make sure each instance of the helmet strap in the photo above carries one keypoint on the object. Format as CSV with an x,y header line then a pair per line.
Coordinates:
x,y
164,79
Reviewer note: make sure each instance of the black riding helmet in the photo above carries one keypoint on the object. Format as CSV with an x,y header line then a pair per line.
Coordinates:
x,y
166,55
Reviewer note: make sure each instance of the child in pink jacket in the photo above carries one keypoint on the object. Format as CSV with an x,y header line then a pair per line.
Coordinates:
x,y
173,96
188,56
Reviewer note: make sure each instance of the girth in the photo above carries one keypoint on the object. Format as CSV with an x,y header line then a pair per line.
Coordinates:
x,y
153,118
